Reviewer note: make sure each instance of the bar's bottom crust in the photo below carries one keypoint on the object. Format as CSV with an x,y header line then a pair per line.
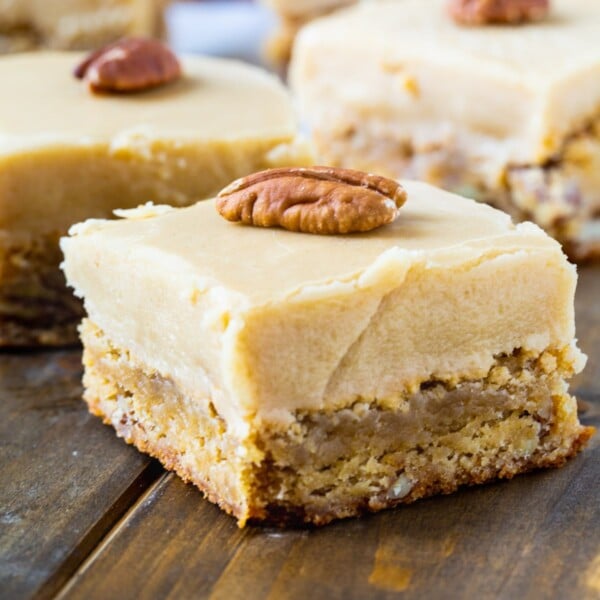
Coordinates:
x,y
36,307
342,463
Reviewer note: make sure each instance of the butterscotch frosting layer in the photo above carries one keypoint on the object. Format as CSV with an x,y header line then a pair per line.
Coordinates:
x,y
43,103
268,322
407,62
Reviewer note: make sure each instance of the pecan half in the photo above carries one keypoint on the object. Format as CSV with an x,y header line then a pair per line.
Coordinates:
x,y
323,200
129,65
482,12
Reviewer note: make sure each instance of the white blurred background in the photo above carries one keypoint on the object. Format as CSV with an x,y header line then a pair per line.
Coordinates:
x,y
231,28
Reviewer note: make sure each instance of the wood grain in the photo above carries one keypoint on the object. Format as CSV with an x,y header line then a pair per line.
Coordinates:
x,y
534,537
66,479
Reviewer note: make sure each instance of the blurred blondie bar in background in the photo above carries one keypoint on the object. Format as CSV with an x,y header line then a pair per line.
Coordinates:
x,y
75,24
293,14
504,112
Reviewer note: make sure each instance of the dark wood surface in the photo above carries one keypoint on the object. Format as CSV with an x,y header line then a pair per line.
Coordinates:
x,y
65,483
82,515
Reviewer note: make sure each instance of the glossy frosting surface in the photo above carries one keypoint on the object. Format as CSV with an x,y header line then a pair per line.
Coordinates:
x,y
42,103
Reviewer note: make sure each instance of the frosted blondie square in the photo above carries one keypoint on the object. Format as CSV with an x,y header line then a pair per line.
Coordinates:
x,y
300,378
507,114
75,24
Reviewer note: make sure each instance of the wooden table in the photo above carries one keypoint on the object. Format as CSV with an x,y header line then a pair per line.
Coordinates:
x,y
82,515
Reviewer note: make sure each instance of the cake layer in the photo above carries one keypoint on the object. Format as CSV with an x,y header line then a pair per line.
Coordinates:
x,y
562,195
270,322
36,307
339,463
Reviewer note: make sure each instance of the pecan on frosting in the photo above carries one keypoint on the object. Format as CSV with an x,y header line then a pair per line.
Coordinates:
x,y
129,65
483,12
322,200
